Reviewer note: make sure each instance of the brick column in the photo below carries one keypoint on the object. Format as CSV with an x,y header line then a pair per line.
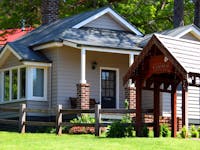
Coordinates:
x,y
83,96
130,96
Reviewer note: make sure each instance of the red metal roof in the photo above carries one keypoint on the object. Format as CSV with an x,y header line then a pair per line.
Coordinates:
x,y
10,35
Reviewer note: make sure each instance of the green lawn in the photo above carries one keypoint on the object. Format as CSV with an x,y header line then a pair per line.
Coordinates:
x,y
28,141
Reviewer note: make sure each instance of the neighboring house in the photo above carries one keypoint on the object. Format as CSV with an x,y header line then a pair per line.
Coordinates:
x,y
9,35
84,56
192,34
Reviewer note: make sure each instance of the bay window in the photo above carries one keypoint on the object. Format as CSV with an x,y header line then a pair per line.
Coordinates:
x,y
23,83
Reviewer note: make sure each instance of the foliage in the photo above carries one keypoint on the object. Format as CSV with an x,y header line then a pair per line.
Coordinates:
x,y
145,131
149,16
193,131
164,130
116,130
184,132
199,131
84,118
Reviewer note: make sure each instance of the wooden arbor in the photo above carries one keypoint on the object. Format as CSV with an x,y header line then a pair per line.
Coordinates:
x,y
157,70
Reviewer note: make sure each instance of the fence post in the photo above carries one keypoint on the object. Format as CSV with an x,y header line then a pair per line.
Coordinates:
x,y
22,118
97,120
59,120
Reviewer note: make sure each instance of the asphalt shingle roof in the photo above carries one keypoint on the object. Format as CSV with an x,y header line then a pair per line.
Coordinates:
x,y
170,32
62,30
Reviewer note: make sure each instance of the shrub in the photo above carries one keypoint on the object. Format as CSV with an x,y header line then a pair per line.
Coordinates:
x,y
184,132
164,130
199,131
145,131
116,129
85,118
193,131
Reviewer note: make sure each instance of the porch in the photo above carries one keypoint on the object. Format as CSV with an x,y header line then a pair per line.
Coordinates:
x,y
95,76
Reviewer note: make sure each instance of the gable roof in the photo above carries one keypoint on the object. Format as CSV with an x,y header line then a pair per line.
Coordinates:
x,y
176,32
184,53
100,38
60,30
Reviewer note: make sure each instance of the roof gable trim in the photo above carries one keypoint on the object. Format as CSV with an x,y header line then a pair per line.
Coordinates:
x,y
6,48
192,30
113,14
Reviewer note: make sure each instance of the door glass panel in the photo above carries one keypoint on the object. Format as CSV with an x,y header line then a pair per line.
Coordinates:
x,y
108,89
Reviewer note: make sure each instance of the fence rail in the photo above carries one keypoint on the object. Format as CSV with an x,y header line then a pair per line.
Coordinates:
x,y
22,122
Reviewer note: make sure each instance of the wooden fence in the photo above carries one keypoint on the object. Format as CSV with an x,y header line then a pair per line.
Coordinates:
x,y
22,122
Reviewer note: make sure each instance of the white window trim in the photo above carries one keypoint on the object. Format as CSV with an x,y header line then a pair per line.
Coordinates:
x,y
29,84
117,84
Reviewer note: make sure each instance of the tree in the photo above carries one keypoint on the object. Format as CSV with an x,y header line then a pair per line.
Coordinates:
x,y
147,15
178,13
197,13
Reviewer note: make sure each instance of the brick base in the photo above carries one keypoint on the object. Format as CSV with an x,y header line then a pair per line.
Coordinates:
x,y
83,96
164,120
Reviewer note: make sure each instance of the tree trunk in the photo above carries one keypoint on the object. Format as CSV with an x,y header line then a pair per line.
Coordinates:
x,y
197,13
178,13
49,11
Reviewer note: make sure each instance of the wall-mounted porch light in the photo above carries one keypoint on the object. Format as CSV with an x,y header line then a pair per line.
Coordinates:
x,y
94,65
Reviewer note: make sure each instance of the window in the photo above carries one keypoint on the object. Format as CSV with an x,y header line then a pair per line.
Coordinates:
x,y
38,82
22,82
14,83
6,86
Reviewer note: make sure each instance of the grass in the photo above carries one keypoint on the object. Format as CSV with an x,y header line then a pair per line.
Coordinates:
x,y
30,141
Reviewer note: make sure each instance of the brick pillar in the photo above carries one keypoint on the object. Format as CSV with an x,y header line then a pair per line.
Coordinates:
x,y
130,96
83,96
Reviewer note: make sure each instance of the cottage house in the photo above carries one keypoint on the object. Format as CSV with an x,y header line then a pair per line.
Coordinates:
x,y
84,56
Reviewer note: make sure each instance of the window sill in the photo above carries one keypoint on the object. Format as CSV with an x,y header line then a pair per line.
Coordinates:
x,y
14,101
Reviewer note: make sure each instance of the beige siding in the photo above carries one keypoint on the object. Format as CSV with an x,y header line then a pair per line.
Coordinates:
x,y
106,22
11,61
69,73
52,88
189,36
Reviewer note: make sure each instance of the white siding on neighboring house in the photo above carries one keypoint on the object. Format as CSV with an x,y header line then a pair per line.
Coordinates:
x,y
194,103
147,99
68,73
106,22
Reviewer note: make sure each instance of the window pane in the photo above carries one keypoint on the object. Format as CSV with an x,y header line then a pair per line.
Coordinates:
x,y
14,84
38,82
22,82
6,86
